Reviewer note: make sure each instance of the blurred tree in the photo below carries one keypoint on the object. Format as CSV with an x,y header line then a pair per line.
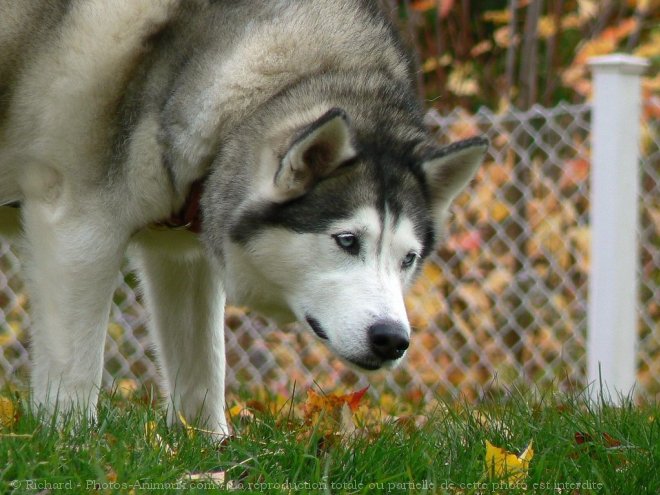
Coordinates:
x,y
499,53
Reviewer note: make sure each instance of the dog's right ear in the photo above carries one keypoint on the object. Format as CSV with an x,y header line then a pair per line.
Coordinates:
x,y
316,151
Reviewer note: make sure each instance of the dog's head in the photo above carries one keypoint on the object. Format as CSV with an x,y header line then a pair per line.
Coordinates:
x,y
332,228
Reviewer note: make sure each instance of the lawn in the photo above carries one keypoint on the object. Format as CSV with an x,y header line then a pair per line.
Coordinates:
x,y
321,445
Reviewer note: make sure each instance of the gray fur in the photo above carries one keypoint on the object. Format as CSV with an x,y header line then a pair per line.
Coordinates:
x,y
301,117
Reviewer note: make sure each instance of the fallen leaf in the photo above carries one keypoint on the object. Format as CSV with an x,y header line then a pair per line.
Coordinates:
x,y
240,412
115,331
8,413
332,414
217,477
608,440
192,430
500,211
466,241
111,475
501,464
613,448
127,387
155,440
316,402
574,172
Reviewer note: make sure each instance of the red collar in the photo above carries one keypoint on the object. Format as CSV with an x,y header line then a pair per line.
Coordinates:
x,y
189,217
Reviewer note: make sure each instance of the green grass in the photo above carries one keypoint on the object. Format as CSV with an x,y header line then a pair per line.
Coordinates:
x,y
273,454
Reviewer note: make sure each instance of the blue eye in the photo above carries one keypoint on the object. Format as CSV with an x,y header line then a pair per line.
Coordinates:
x,y
409,260
348,242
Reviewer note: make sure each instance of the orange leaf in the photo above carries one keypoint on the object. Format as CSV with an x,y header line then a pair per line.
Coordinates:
x,y
444,6
332,414
621,30
331,402
574,172
611,441
423,5
581,438
353,399
608,440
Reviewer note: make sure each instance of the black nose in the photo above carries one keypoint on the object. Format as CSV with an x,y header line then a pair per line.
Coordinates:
x,y
388,340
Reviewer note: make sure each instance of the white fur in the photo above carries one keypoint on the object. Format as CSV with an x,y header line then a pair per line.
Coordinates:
x,y
74,259
76,228
80,212
345,293
184,295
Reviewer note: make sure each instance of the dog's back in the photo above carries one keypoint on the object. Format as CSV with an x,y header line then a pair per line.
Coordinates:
x,y
87,72
64,68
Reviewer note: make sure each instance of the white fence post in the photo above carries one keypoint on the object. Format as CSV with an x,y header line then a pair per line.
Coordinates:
x,y
612,314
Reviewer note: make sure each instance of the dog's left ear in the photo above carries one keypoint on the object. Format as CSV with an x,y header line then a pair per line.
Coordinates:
x,y
448,170
315,152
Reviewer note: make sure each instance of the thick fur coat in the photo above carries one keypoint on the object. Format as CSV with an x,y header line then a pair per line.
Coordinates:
x,y
323,191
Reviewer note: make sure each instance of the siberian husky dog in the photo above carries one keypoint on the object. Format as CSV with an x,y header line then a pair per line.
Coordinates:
x,y
297,124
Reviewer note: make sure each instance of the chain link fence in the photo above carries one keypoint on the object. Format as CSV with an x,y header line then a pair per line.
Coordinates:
x,y
504,297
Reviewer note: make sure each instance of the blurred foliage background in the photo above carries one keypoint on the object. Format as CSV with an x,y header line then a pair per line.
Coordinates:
x,y
497,53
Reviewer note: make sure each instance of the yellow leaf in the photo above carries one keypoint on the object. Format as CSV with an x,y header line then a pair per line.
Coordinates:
x,y
16,328
150,431
587,9
500,211
8,413
236,410
547,27
461,81
498,280
651,48
127,387
6,339
593,48
192,430
432,63
115,331
497,16
501,464
155,440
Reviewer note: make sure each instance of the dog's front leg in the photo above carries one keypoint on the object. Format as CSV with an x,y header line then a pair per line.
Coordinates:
x,y
185,297
74,255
